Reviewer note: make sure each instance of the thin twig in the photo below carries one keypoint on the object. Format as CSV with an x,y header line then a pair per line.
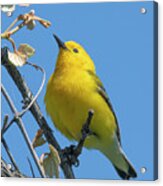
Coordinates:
x,y
23,130
39,90
6,172
35,110
8,125
17,28
12,25
26,20
20,114
5,122
12,42
31,168
9,154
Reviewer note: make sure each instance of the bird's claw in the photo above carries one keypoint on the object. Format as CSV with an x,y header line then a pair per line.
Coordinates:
x,y
70,154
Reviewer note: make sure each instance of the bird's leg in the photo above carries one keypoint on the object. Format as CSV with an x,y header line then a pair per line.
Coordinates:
x,y
72,152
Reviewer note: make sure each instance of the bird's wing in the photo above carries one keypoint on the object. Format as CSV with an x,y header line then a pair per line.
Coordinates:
x,y
101,90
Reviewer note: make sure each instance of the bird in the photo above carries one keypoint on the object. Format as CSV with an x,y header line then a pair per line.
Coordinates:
x,y
72,90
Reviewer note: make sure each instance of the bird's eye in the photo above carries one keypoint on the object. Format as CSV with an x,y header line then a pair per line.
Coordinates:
x,y
75,50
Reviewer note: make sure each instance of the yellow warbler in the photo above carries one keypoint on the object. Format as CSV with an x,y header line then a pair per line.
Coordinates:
x,y
74,89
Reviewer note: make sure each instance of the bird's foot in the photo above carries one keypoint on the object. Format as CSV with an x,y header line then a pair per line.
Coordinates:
x,y
71,155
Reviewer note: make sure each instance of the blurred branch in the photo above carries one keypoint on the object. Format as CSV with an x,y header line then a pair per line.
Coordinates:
x,y
39,91
12,25
27,104
35,110
26,19
23,130
9,154
7,172
12,42
7,126
5,123
31,168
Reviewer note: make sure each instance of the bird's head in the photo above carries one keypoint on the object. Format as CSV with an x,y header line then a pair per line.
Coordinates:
x,y
73,55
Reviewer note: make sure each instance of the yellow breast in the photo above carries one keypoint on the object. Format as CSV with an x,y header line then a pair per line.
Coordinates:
x,y
69,97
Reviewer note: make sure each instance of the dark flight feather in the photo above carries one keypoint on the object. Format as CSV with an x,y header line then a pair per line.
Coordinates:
x,y
101,90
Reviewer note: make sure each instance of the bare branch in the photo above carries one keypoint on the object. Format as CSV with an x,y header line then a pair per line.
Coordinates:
x,y
12,25
13,43
9,154
5,122
27,105
26,20
7,126
39,91
23,130
6,172
31,168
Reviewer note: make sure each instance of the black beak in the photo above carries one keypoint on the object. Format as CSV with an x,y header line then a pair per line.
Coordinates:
x,y
59,42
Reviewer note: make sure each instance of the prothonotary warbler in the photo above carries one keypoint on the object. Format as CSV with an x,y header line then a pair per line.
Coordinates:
x,y
73,89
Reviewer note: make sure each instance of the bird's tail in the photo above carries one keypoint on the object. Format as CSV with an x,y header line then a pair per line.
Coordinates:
x,y
127,172
119,160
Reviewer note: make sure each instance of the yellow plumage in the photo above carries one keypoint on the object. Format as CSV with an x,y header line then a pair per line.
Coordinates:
x,y
72,90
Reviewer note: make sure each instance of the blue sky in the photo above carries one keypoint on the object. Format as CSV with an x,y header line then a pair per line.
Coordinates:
x,y
120,41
